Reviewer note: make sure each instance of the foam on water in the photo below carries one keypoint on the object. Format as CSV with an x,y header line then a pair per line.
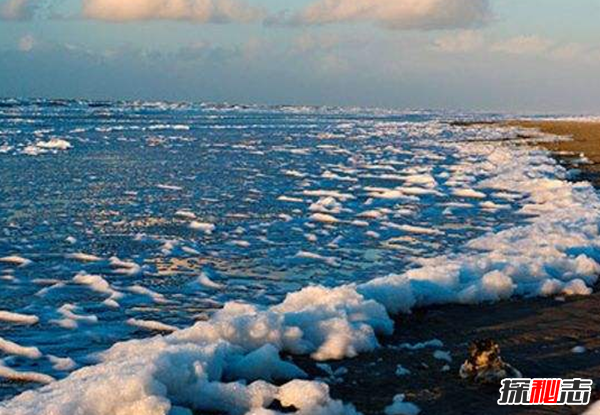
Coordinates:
x,y
263,230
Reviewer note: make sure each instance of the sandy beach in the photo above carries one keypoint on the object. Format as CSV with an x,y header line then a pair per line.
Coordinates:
x,y
317,207
379,261
537,336
585,136
585,139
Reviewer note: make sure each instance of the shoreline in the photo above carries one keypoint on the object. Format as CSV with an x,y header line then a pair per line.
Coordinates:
x,y
584,135
584,140
536,335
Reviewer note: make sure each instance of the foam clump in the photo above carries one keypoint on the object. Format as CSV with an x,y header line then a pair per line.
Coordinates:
x,y
151,325
54,144
17,318
205,227
41,147
12,348
400,407
16,260
192,369
19,376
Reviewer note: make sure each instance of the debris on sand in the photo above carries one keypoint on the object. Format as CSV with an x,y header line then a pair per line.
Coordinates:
x,y
484,364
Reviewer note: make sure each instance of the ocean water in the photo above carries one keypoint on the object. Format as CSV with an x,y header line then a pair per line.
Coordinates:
x,y
176,209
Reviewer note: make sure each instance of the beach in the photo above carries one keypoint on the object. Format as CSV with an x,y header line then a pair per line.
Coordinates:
x,y
537,336
584,140
319,207
585,136
348,257
542,337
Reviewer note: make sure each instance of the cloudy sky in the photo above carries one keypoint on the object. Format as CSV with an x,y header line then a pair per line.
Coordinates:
x,y
510,55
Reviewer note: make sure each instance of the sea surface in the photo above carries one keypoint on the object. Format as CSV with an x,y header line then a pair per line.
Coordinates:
x,y
124,215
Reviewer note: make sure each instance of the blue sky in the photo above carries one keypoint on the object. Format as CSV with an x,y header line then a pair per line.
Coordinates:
x,y
509,55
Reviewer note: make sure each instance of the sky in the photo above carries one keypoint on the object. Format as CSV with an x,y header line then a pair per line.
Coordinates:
x,y
486,55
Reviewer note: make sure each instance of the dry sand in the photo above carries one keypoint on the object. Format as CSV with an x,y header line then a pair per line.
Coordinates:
x,y
536,335
585,136
585,139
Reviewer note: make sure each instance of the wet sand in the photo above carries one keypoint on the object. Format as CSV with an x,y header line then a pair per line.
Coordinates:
x,y
536,335
585,139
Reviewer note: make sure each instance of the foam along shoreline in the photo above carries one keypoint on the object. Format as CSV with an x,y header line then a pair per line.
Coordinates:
x,y
228,364
584,136
579,150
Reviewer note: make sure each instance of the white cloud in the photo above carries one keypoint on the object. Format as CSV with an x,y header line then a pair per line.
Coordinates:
x,y
570,51
200,11
17,9
399,14
523,45
461,42
26,43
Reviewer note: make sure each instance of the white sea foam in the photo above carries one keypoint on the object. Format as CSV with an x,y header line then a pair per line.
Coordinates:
x,y
54,144
62,364
310,255
205,281
121,267
442,355
241,341
169,187
324,218
13,348
95,283
401,407
205,227
72,317
469,193
414,229
328,205
11,374
402,371
98,284
554,251
83,257
434,343
17,318
290,199
156,297
16,260
185,214
329,193
151,325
